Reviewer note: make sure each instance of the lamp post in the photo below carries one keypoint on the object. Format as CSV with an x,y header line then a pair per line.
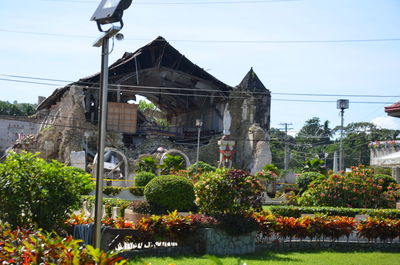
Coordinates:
x,y
199,123
342,104
109,11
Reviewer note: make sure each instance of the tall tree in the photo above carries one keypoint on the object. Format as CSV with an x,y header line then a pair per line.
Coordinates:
x,y
357,136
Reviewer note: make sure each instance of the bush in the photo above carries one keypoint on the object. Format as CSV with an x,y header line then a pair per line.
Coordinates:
x,y
141,180
315,165
147,164
358,188
200,167
374,228
305,179
26,246
269,173
172,163
34,191
384,180
296,211
170,193
111,190
228,192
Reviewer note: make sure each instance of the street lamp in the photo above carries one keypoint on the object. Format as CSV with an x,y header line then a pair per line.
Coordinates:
x,y
199,123
342,104
109,11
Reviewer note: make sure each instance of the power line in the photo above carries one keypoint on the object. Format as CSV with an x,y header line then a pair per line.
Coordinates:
x,y
333,41
195,90
185,3
144,92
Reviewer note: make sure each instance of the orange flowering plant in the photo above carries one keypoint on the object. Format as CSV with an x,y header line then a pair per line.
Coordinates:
x,y
360,188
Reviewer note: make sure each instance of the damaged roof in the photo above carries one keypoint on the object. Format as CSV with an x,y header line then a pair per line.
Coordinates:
x,y
163,75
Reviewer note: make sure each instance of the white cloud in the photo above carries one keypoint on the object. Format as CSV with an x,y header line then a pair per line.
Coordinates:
x,y
387,122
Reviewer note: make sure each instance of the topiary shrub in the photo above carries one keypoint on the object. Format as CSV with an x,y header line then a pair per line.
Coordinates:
x,y
170,192
33,191
305,179
141,180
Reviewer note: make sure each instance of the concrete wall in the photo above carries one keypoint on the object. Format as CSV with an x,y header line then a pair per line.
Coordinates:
x,y
12,127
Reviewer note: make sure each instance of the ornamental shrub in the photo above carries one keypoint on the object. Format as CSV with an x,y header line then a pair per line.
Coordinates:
x,y
147,164
358,188
269,173
170,193
228,192
111,190
200,167
384,180
172,163
141,180
27,246
33,191
374,228
296,211
305,179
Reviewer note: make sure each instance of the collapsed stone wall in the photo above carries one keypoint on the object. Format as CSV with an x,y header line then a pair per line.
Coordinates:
x,y
64,125
252,147
65,129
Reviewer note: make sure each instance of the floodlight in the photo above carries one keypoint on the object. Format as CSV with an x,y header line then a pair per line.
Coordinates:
x,y
110,11
199,123
342,104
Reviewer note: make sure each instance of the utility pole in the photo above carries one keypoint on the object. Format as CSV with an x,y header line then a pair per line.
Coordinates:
x,y
286,159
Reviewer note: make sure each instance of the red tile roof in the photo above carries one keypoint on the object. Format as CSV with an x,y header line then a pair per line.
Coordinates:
x,y
392,109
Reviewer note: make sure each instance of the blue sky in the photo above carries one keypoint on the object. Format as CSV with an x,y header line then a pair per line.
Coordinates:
x,y
361,68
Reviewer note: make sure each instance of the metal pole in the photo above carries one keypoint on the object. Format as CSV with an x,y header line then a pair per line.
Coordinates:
x,y
335,164
101,142
198,146
341,141
286,162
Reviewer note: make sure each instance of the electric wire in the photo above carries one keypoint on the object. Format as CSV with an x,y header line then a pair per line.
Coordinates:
x,y
196,92
230,2
316,41
197,89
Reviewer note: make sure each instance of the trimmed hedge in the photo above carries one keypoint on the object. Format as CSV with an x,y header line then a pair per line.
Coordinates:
x,y
111,190
296,211
170,192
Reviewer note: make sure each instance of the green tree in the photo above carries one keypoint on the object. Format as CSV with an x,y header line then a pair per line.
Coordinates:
x,y
33,191
17,109
356,137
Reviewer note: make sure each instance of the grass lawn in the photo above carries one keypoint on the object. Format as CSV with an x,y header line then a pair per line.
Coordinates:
x,y
297,258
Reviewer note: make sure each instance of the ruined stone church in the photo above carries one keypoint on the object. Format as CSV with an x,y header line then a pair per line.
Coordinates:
x,y
182,92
